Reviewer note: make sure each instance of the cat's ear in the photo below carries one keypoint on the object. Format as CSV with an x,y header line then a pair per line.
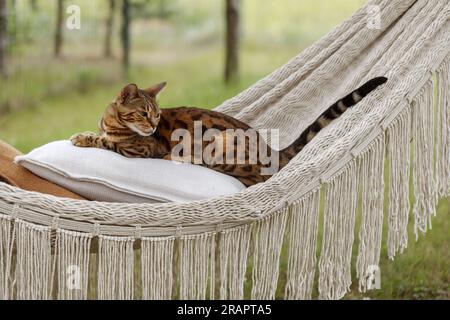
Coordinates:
x,y
130,91
156,89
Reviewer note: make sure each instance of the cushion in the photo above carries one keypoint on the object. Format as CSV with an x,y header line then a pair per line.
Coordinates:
x,y
20,177
107,176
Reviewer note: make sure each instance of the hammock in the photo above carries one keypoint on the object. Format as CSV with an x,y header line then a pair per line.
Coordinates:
x,y
67,249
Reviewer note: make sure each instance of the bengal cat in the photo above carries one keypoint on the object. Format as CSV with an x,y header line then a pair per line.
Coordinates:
x,y
134,126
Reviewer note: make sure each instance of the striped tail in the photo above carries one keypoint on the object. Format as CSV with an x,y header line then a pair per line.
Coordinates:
x,y
332,113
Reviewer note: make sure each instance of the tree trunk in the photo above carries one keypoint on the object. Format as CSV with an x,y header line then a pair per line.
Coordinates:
x,y
33,5
125,36
12,23
3,38
232,40
109,29
162,9
59,28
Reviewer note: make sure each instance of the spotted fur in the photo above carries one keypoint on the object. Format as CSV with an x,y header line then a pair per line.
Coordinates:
x,y
135,126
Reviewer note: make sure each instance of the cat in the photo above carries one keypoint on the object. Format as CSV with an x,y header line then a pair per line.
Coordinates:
x,y
134,126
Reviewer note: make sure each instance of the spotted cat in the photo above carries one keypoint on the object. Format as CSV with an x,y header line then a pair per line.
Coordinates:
x,y
135,126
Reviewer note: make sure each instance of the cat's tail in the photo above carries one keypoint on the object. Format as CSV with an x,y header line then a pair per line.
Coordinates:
x,y
332,113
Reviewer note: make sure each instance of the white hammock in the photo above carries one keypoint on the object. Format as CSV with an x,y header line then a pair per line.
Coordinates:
x,y
201,249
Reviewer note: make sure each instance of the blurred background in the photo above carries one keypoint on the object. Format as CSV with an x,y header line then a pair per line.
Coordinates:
x,y
63,61
57,79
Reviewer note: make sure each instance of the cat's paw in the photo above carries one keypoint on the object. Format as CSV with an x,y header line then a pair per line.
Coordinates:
x,y
85,139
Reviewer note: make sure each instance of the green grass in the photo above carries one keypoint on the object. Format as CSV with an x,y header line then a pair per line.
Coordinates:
x,y
421,272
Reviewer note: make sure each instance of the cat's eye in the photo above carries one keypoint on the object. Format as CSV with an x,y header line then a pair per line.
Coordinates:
x,y
143,113
158,116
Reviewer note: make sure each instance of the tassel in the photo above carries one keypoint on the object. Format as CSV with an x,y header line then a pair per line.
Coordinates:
x,y
398,147
73,251
34,263
268,240
115,268
423,159
339,225
233,251
372,192
443,130
195,253
6,246
156,264
301,267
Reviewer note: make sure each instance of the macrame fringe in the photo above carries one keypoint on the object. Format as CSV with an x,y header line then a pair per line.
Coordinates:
x,y
156,266
425,198
115,268
398,137
73,251
195,254
443,130
6,247
302,229
339,224
268,240
233,253
371,174
33,261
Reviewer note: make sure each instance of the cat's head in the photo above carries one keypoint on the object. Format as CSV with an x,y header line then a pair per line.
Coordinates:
x,y
138,109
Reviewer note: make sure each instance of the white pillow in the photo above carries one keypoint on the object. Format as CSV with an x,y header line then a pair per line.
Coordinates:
x,y
103,175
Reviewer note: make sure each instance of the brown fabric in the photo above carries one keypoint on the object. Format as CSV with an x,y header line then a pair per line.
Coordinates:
x,y
20,177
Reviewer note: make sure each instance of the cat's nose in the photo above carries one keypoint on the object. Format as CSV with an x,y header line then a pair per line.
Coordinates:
x,y
154,122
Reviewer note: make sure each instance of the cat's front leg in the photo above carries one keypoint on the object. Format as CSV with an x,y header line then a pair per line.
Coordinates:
x,y
91,140
167,156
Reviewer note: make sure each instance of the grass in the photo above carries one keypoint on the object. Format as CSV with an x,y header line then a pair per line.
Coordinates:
x,y
52,99
421,272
